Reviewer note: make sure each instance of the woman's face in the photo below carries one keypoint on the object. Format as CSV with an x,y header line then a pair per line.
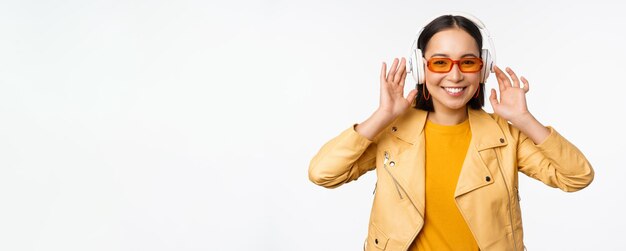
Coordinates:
x,y
451,90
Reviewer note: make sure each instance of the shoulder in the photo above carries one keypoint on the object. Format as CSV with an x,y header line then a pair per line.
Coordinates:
x,y
503,123
495,122
406,127
507,128
486,117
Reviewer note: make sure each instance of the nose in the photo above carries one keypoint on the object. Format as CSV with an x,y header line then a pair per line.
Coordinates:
x,y
455,74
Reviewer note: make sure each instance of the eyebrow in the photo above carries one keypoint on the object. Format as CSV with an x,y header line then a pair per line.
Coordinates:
x,y
446,55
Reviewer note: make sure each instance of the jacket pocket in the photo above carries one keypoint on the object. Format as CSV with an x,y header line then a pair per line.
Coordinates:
x,y
376,239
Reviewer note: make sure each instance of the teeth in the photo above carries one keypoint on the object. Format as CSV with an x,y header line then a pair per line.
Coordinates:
x,y
453,90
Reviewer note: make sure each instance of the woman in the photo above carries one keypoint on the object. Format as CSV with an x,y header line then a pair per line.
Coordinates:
x,y
446,169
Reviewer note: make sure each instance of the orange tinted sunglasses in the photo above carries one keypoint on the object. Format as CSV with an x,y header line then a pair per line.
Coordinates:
x,y
466,65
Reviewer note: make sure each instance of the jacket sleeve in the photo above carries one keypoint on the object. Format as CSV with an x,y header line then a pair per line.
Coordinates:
x,y
555,162
343,159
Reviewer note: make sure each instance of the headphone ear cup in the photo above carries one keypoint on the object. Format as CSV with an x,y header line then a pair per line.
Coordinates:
x,y
410,69
487,65
414,65
419,66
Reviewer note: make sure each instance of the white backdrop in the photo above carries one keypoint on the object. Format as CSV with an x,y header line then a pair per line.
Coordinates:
x,y
189,125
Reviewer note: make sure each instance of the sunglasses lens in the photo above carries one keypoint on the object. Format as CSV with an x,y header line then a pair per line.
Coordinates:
x,y
440,64
470,64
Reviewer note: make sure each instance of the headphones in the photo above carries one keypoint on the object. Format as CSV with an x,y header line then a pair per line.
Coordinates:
x,y
415,65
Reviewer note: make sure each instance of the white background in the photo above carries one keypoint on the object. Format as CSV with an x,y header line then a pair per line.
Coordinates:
x,y
189,125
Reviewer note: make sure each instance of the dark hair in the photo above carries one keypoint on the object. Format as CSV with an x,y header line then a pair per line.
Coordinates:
x,y
439,24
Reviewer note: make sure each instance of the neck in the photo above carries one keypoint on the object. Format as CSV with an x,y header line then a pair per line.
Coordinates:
x,y
448,116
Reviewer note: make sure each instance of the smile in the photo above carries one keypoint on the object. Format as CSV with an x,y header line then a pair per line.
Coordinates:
x,y
454,91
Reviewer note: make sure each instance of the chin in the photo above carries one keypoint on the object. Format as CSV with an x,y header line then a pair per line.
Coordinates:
x,y
455,104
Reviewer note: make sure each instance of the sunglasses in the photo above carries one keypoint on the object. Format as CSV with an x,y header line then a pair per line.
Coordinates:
x,y
443,65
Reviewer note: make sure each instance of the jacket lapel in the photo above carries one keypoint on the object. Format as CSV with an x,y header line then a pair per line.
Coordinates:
x,y
486,134
410,169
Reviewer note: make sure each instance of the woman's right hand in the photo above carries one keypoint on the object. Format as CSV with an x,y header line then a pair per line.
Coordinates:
x,y
392,100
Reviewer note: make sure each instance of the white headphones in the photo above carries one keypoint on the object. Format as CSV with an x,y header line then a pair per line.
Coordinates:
x,y
415,65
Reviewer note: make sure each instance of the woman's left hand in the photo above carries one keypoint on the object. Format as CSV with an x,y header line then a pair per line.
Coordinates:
x,y
512,104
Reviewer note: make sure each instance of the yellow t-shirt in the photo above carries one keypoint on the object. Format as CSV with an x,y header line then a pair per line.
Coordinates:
x,y
444,226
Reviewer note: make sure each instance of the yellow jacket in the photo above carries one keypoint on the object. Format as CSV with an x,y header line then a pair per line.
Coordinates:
x,y
487,190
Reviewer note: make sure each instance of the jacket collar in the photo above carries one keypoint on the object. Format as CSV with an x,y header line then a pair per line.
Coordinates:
x,y
485,130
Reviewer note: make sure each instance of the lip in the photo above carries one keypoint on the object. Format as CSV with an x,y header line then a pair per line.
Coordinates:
x,y
454,94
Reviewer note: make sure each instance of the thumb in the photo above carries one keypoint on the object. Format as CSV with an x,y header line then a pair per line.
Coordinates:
x,y
493,98
411,96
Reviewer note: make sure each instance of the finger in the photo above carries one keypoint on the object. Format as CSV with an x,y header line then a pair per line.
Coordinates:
x,y
526,86
401,71
513,77
412,95
501,82
403,79
392,70
383,70
493,98
504,78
